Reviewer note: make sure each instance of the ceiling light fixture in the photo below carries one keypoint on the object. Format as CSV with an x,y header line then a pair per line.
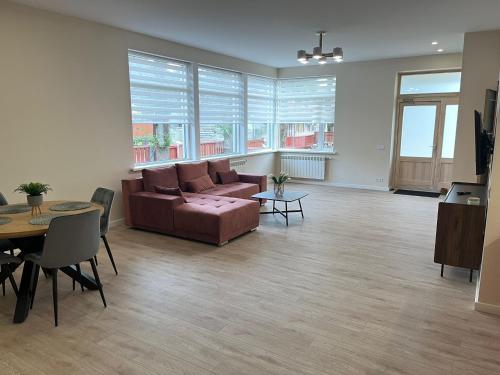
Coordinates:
x,y
337,55
434,43
440,50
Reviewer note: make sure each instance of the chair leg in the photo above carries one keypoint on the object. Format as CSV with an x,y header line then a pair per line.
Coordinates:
x,y
79,270
54,293
108,249
98,281
95,259
35,283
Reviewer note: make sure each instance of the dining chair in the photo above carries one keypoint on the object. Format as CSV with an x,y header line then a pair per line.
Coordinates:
x,y
70,240
5,262
6,245
105,198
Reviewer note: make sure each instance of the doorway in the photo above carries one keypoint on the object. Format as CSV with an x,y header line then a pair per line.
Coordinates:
x,y
425,141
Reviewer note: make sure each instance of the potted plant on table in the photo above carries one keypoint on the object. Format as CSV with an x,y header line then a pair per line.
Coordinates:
x,y
34,191
279,183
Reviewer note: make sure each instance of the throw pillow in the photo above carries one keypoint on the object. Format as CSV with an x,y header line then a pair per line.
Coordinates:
x,y
170,191
166,177
200,184
190,171
215,166
228,177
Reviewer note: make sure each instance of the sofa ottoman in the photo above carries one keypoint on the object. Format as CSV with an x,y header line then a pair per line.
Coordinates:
x,y
215,219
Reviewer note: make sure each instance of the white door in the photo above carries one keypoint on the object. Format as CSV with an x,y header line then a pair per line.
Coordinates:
x,y
426,141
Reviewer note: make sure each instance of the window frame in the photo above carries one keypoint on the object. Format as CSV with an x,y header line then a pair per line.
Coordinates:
x,y
272,131
425,95
188,128
238,147
192,135
322,150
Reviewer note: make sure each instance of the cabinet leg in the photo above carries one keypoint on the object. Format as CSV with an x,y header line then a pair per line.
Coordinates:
x,y
470,275
442,269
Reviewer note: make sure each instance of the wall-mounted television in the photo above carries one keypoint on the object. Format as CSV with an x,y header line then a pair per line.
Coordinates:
x,y
484,144
490,104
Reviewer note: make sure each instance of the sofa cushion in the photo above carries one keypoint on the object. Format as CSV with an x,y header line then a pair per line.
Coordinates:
x,y
222,218
170,191
200,184
166,177
228,177
236,190
215,166
190,171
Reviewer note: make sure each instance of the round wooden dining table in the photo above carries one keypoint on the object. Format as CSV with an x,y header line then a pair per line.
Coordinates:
x,y
29,238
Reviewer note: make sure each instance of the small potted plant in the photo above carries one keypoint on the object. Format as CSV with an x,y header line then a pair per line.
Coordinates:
x,y
279,183
34,191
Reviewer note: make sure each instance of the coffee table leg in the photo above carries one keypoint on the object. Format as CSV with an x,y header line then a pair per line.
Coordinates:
x,y
274,206
301,212
286,213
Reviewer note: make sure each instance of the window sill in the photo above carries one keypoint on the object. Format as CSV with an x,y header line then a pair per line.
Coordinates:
x,y
299,151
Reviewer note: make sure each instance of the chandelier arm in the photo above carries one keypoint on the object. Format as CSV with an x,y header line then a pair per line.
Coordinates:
x,y
330,54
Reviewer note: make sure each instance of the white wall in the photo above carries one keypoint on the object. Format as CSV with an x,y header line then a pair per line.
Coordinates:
x,y
365,114
64,100
481,60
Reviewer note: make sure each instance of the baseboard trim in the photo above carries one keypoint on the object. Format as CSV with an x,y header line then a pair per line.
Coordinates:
x,y
116,222
487,308
342,185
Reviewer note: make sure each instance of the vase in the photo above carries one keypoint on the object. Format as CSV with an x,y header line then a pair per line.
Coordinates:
x,y
279,189
35,201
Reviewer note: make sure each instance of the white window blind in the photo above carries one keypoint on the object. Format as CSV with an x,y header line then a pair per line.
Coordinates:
x,y
221,110
221,96
261,99
160,90
306,100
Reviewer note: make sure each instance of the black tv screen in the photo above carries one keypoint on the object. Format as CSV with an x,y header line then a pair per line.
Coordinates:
x,y
483,145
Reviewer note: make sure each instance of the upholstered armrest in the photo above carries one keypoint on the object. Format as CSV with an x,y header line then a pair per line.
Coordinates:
x,y
260,180
153,211
130,186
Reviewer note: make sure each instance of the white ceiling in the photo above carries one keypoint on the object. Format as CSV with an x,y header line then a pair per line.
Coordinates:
x,y
271,31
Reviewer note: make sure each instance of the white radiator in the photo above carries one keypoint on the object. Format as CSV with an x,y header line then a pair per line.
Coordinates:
x,y
238,164
304,166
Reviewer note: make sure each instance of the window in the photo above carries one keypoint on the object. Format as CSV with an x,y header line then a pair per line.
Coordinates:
x,y
221,111
161,101
260,107
430,83
306,112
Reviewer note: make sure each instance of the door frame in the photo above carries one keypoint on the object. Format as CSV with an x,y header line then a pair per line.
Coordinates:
x,y
441,101
444,98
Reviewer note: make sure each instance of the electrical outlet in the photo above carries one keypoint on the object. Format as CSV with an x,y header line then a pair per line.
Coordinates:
x,y
379,179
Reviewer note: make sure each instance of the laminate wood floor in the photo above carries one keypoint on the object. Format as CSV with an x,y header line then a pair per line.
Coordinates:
x,y
351,289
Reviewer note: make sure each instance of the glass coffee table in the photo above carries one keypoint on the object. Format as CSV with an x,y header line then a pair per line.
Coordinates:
x,y
287,197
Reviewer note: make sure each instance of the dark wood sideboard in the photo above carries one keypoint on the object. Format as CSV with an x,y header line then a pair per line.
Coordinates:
x,y
460,228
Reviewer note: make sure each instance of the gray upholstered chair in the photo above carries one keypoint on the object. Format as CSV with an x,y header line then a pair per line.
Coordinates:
x,y
70,240
105,197
5,245
5,262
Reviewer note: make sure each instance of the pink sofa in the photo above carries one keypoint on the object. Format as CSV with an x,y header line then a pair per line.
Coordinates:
x,y
215,215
